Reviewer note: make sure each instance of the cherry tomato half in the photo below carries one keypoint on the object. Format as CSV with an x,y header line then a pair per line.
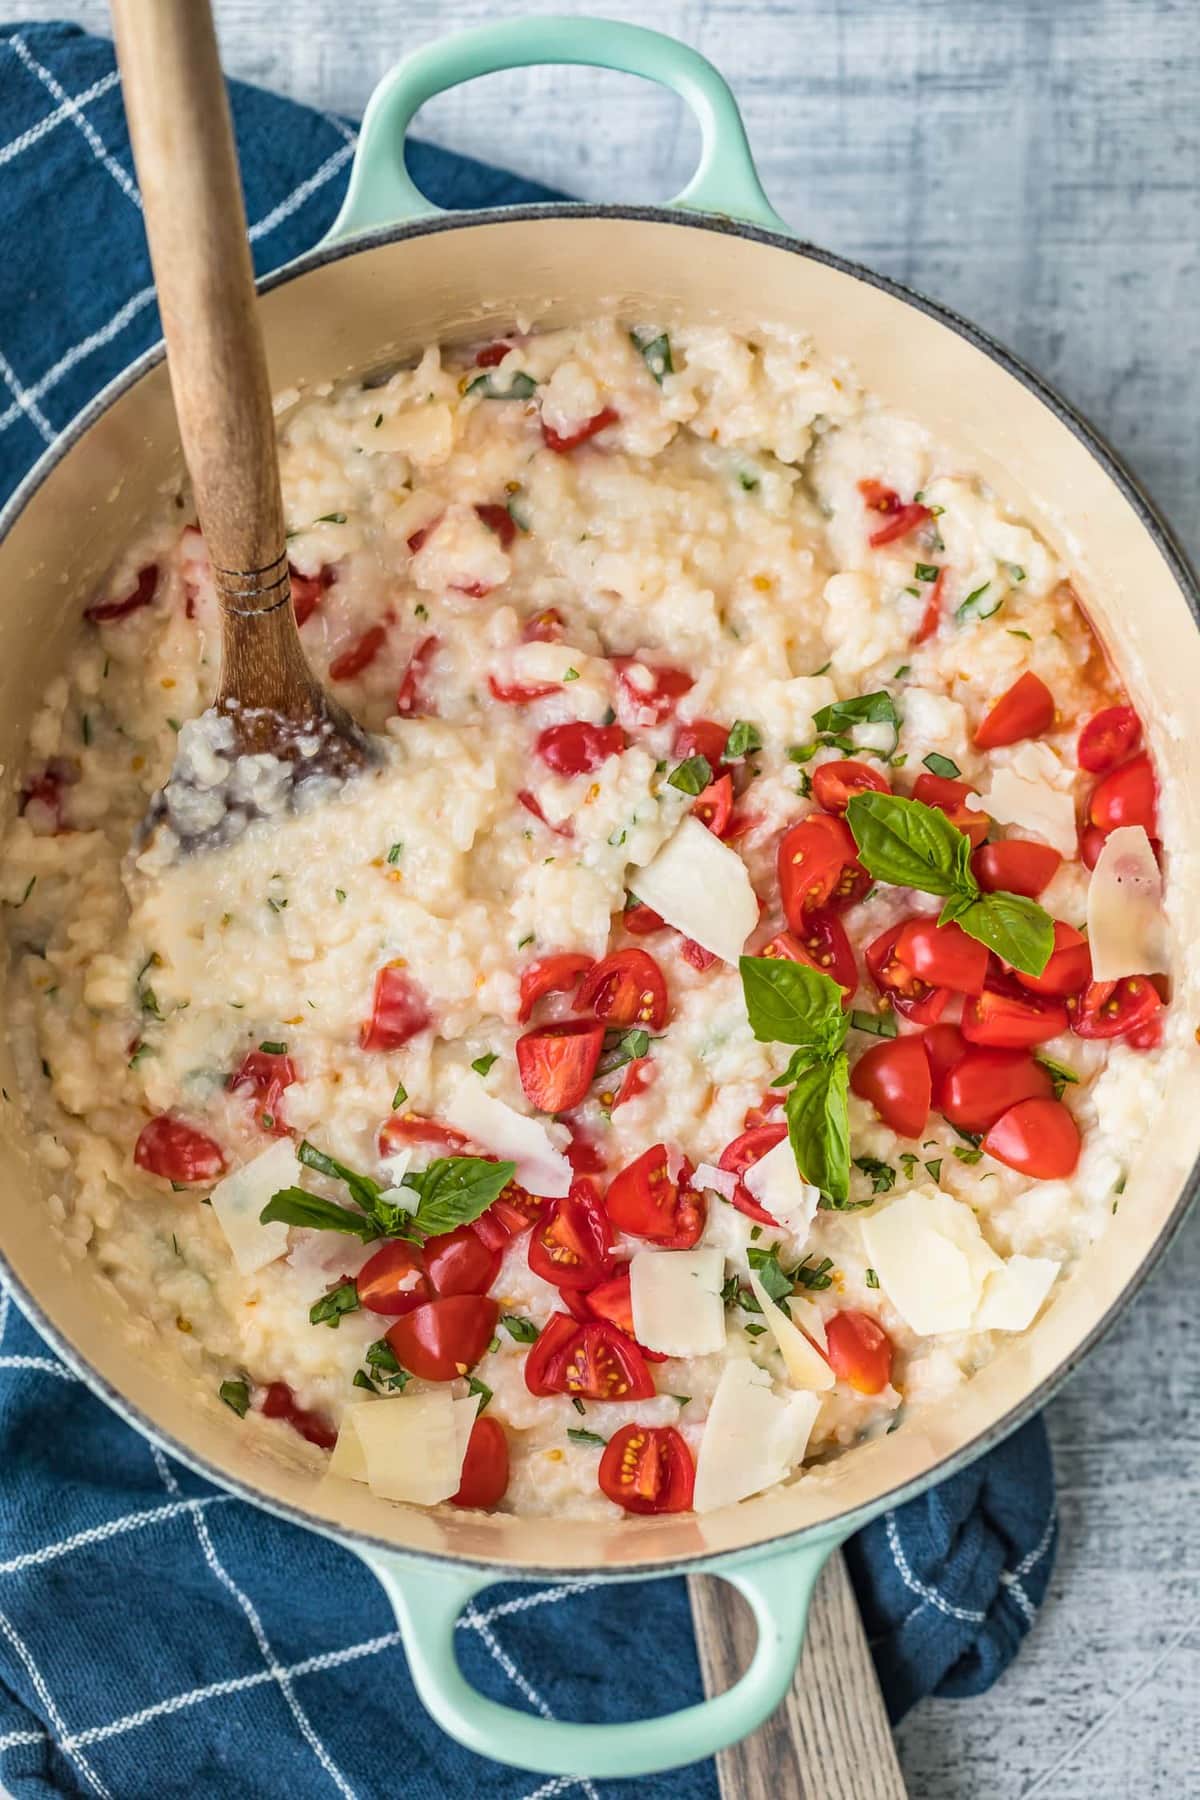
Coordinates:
x,y
1069,967
392,1281
818,866
279,1402
703,737
950,797
1015,866
561,442
168,1147
859,1351
1009,1019
902,986
984,1083
1025,710
654,699
943,955
894,1076
484,1479
444,1338
1036,1137
626,988
613,1302
644,1201
262,1076
1108,738
834,783
642,921
572,1247
556,1063
1112,1009
821,943
459,1262
1091,843
648,1469
545,1356
714,806
639,1075
399,1010
741,1155
578,748
557,974
944,1047
1126,796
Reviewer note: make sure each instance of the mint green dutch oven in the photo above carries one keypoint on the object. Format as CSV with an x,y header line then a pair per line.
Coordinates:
x,y
394,273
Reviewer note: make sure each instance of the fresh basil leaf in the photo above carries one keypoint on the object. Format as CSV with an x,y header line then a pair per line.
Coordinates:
x,y
363,1380
483,1063
1016,928
743,740
236,1395
656,353
765,1264
817,1278
380,1357
578,1435
295,1206
966,1155
522,1331
972,606
269,1048
935,1168
865,709
454,1190
819,1127
925,571
882,1176
621,1047
797,1062
880,1024
331,1307
789,1003
691,776
754,1330
520,387
1059,1074
911,845
475,1386
937,764
872,1279
361,1187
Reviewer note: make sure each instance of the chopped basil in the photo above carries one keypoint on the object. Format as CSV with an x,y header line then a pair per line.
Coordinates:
x,y
571,675
1059,1074
965,1154
396,852
337,518
527,939
748,481
520,386
1020,634
872,1279
754,1330
801,753
332,1307
656,353
270,1047
578,1435
743,740
482,1064
691,776
363,1380
882,1175
765,1264
908,1162
937,764
817,1278
865,709
902,671
378,421
85,729
935,1168
400,1097
926,572
682,1399
580,1408
236,1394
522,1331
621,1047
29,887
880,1024
382,1359
971,607
475,1386
340,893
1016,571
823,670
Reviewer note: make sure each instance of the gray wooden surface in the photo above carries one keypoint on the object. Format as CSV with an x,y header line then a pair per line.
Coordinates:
x,y
1035,164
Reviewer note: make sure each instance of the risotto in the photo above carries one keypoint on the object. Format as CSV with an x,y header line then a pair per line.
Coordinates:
x,y
726,1009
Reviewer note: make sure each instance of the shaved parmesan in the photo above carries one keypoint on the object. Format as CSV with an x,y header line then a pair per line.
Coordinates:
x,y
1127,932
510,1135
239,1199
777,1185
700,886
808,1318
414,1446
753,1437
347,1459
676,1300
1013,1294
931,1259
1024,794
806,1366
721,1181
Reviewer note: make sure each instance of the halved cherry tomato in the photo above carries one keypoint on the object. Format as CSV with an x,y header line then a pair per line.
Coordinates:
x,y
1036,1137
1127,796
103,612
399,1010
931,618
520,693
697,955
601,1363
459,1262
393,1280
641,920
612,1301
561,442
444,1338
1025,710
943,955
626,988
262,1076
498,519
411,698
532,804
543,1363
902,519
1108,738
400,1129
834,784
1091,843
513,1211
643,1201
1069,967
582,1153
703,737
1009,1019
659,696
741,1155
1015,866
905,989
950,797
945,1047
556,1063
639,1075
168,1147
820,941
484,1479
307,590
1111,1009
714,806
359,655
894,1076
578,748
572,1247
818,866
982,1084
279,1402
859,1351
545,627
557,974
648,1469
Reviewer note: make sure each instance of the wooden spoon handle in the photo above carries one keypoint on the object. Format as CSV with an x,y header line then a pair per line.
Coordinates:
x,y
182,136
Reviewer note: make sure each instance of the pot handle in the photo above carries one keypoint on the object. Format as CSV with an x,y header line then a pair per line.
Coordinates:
x,y
382,193
429,1598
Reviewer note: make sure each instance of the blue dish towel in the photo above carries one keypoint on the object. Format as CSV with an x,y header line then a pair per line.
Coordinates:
x,y
157,1637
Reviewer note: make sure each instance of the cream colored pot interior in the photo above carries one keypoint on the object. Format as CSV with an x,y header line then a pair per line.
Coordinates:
x,y
356,313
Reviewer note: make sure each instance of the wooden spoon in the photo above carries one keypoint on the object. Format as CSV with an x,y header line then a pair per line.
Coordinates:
x,y
182,136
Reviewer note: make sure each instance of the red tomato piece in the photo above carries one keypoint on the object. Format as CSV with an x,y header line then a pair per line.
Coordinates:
x,y
901,985
392,1281
169,1147
543,1364
626,988
902,523
613,1302
484,1480
545,627
1127,796
499,520
520,693
943,955
103,612
1069,967
1036,1137
583,1154
818,866
859,1351
703,737
532,805
601,1363
879,497
648,1469
820,941
557,1063
307,590
444,1338
1108,738
741,1155
639,1075
983,1084
643,1201
399,1010
402,1129
894,1076
714,806
459,1262
491,355
420,538
45,789
1015,866
279,1402
945,1047
1111,1009
561,442
412,701
1025,710
931,618
578,748
557,974
1091,843
950,797
641,920
262,1075
659,696
573,1246
513,1211
835,782
360,654
1009,1019
697,955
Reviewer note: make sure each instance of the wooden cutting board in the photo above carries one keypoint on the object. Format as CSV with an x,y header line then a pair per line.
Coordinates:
x,y
830,1740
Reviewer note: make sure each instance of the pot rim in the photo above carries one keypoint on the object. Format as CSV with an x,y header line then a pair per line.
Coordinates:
x,y
1182,573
